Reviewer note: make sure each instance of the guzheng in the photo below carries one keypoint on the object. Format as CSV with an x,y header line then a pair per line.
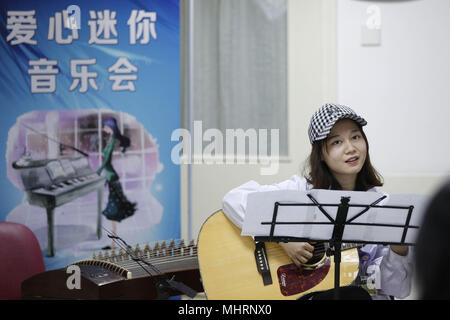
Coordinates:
x,y
55,182
113,274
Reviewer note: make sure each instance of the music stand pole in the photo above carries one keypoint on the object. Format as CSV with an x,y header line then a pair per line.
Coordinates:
x,y
336,242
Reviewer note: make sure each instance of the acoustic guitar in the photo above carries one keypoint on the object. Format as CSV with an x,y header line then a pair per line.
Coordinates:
x,y
233,267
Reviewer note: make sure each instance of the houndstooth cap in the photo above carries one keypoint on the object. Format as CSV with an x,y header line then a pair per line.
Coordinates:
x,y
324,119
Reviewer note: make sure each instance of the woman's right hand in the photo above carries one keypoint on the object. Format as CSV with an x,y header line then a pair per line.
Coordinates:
x,y
299,252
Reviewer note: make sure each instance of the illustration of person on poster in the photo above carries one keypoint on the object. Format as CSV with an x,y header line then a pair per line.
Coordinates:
x,y
118,206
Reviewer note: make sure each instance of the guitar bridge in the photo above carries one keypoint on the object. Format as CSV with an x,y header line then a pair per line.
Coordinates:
x,y
262,263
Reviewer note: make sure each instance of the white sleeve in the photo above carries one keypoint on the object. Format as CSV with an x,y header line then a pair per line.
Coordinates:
x,y
235,202
397,273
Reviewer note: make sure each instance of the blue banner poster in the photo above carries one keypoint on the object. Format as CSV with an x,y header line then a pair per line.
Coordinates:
x,y
90,95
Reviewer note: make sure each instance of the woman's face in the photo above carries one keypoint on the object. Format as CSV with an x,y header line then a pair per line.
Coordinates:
x,y
345,149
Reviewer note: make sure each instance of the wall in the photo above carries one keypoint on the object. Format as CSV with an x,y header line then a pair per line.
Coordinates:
x,y
400,87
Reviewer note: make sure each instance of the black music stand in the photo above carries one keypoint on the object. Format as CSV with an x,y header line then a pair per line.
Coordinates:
x,y
339,225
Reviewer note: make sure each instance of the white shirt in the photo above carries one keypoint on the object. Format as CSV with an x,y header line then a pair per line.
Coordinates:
x,y
395,271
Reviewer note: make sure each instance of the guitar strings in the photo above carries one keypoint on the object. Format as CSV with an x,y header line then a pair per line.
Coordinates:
x,y
315,252
277,249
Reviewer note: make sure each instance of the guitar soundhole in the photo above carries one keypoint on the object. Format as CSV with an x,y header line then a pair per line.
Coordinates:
x,y
319,252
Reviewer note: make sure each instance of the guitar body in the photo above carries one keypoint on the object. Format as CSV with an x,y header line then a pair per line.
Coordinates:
x,y
228,267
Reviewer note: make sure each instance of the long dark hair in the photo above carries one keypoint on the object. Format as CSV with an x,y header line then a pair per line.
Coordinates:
x,y
124,140
319,175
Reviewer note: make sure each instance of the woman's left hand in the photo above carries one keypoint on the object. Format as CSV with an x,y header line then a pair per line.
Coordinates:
x,y
400,250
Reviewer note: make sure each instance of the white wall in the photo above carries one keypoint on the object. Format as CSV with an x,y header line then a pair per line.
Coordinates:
x,y
400,87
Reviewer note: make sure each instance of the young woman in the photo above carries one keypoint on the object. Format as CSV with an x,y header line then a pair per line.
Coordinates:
x,y
118,206
339,160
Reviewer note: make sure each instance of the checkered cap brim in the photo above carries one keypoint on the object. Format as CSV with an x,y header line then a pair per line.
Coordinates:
x,y
324,119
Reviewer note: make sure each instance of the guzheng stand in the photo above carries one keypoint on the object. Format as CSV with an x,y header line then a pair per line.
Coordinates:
x,y
336,238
